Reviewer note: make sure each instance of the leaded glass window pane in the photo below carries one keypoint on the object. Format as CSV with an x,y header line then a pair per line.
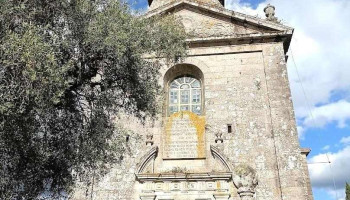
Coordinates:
x,y
196,84
173,96
196,96
188,79
173,109
185,86
185,95
174,85
184,108
196,109
180,80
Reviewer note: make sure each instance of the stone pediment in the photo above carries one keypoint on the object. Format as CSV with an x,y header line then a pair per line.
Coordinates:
x,y
206,22
198,25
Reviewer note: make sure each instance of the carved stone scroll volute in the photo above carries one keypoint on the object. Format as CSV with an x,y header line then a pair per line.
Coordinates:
x,y
244,178
147,159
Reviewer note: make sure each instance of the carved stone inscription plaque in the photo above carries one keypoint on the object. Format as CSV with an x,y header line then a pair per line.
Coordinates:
x,y
184,136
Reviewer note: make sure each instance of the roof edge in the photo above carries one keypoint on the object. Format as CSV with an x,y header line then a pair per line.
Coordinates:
x,y
222,2
220,11
305,151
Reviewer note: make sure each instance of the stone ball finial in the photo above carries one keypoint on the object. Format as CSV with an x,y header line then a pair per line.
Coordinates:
x,y
270,13
245,179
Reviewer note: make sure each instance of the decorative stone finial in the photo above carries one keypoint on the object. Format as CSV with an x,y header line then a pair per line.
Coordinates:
x,y
218,135
245,180
270,13
217,132
149,139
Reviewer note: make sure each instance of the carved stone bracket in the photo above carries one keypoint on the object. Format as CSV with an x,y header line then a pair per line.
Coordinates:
x,y
244,178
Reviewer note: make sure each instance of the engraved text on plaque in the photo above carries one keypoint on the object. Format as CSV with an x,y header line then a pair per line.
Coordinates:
x,y
184,136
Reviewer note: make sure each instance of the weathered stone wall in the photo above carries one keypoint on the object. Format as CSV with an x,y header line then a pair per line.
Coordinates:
x,y
245,87
236,94
289,158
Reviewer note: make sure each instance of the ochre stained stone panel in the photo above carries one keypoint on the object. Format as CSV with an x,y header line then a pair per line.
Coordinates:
x,y
184,136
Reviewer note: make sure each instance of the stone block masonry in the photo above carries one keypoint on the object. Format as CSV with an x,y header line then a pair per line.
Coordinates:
x,y
243,144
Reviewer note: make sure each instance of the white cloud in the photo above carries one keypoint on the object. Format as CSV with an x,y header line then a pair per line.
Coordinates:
x,y
301,132
322,174
338,112
325,148
345,140
338,194
320,47
246,8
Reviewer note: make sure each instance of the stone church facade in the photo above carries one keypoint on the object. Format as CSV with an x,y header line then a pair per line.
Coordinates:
x,y
227,130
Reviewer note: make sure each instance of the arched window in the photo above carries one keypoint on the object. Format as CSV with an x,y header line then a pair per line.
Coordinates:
x,y
185,94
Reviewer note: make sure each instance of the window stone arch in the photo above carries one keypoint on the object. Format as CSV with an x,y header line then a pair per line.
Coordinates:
x,y
185,94
184,91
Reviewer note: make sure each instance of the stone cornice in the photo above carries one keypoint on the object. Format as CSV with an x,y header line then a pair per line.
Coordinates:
x,y
269,31
211,176
221,11
283,36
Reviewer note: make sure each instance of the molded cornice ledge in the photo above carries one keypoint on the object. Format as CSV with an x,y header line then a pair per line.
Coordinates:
x,y
283,36
270,31
221,11
212,176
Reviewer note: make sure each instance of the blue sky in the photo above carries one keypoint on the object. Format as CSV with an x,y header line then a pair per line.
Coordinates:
x,y
321,94
142,4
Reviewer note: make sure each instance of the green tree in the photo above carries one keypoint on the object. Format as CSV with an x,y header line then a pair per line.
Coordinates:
x,y
66,69
347,191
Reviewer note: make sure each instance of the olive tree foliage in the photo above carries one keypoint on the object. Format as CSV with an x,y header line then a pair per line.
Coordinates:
x,y
347,191
67,68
